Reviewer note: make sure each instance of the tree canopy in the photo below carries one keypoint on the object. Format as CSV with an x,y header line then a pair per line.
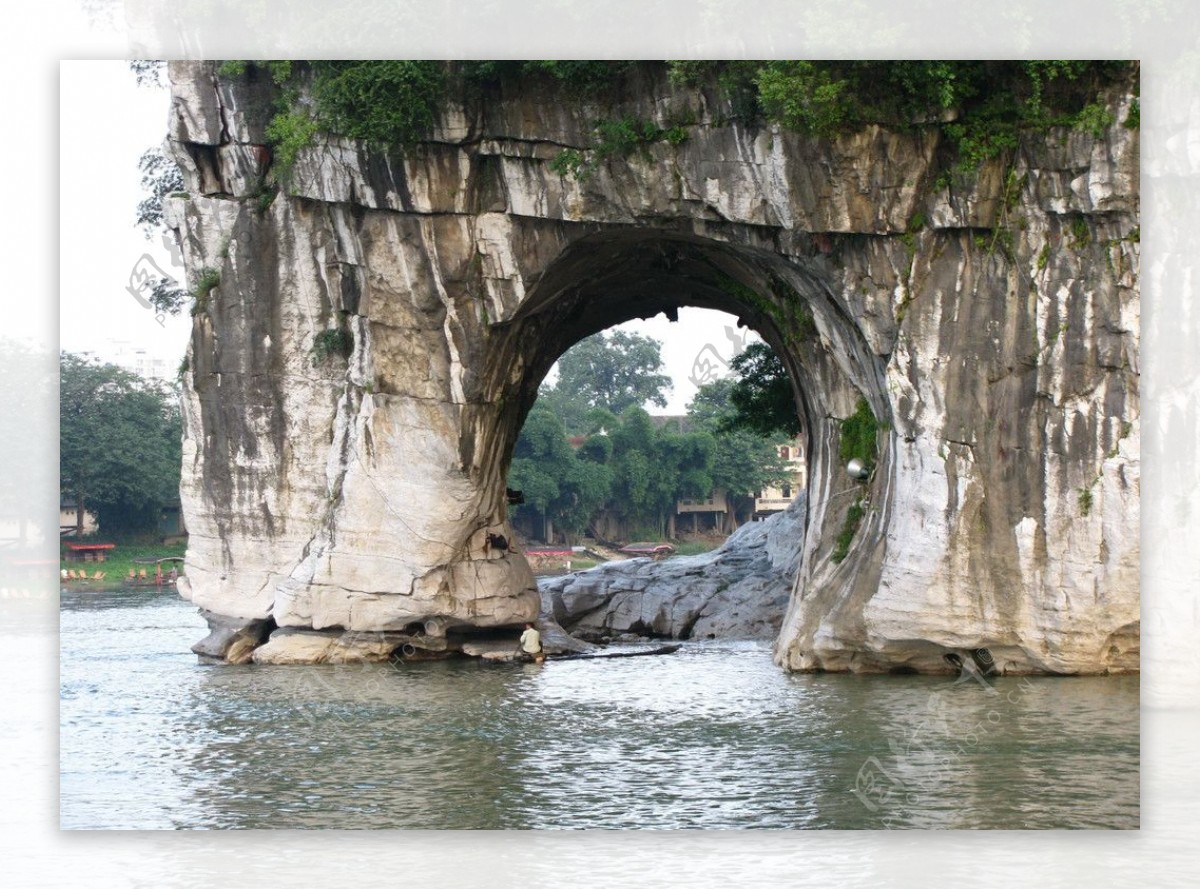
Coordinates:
x,y
744,460
631,469
558,483
610,372
119,444
653,467
161,177
761,398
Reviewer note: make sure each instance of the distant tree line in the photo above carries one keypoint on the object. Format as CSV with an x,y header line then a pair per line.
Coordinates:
x,y
120,435
627,470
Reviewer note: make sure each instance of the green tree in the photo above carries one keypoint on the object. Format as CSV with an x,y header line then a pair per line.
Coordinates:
x,y
761,397
610,371
385,102
161,177
561,488
743,461
149,72
638,480
119,444
583,492
653,468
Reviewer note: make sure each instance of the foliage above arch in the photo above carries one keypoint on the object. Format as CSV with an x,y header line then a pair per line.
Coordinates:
x,y
980,106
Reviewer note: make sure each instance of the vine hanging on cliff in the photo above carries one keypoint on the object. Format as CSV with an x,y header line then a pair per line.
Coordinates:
x,y
161,177
616,138
841,544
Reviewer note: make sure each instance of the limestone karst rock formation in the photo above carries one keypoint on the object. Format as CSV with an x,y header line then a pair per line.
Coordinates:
x,y
359,372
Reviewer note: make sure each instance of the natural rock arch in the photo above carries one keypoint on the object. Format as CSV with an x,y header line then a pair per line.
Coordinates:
x,y
603,280
354,493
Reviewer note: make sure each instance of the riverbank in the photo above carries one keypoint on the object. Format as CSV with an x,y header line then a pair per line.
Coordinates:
x,y
118,563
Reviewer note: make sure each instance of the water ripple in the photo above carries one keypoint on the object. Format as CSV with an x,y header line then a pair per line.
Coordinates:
x,y
712,737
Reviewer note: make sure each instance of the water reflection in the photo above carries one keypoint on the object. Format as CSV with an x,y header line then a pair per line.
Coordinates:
x,y
368,746
712,737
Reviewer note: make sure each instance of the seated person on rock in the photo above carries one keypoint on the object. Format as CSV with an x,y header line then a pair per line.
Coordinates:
x,y
531,644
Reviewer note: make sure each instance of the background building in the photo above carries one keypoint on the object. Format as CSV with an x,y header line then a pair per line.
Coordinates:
x,y
133,357
710,514
774,500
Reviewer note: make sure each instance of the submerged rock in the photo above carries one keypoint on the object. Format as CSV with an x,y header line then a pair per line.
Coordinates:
x,y
296,647
739,590
231,640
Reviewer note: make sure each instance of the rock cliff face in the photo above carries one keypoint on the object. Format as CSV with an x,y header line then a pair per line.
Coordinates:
x,y
359,373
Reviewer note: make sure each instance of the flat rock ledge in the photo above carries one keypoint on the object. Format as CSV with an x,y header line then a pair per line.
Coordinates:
x,y
301,646
259,641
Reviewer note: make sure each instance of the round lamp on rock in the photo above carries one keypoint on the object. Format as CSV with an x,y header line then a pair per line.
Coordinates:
x,y
858,469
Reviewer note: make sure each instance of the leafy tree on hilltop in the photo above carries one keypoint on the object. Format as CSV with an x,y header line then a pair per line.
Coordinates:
x,y
119,444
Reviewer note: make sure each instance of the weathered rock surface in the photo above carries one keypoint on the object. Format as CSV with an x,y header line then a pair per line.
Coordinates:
x,y
997,343
229,639
301,646
290,645
739,590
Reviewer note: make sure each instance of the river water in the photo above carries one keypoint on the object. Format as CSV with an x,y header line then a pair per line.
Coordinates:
x,y
714,736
